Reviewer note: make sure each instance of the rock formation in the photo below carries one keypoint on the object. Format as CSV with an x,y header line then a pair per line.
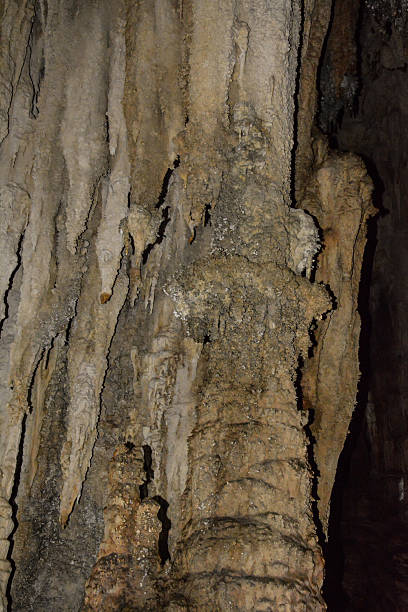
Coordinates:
x,y
181,262
372,526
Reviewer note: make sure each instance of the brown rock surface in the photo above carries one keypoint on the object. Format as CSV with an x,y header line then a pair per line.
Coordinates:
x,y
339,196
158,296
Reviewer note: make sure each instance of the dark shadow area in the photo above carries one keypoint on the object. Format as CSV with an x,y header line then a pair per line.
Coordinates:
x,y
333,591
11,281
311,443
163,543
366,555
165,211
147,467
14,510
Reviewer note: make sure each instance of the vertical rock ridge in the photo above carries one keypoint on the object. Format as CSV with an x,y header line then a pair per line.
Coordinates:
x,y
115,190
339,196
90,339
83,130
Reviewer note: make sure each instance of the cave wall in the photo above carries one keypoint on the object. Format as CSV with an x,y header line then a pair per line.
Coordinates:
x,y
373,506
164,264
380,136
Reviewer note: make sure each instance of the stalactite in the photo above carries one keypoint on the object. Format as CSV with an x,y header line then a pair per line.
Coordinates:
x,y
160,289
339,196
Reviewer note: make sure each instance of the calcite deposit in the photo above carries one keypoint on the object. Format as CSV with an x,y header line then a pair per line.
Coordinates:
x,y
339,195
171,234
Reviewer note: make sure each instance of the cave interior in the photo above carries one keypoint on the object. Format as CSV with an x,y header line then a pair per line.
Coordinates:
x,y
363,92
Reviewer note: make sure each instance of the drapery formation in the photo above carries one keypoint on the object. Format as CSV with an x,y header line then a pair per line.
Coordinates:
x,y
172,232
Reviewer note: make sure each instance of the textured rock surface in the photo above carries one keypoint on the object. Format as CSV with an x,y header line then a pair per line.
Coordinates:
x,y
339,196
159,293
374,521
316,17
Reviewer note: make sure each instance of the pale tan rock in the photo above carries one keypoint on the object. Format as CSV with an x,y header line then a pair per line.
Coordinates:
x,y
83,130
339,195
115,190
91,336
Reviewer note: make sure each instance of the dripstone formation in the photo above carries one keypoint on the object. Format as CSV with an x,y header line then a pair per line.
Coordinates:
x,y
181,256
